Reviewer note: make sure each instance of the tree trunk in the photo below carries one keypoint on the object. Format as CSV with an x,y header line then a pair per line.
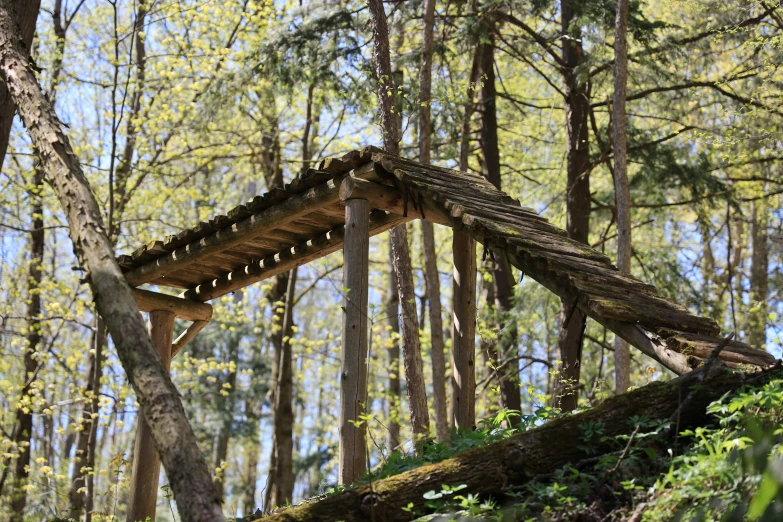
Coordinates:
x,y
503,279
622,192
85,438
508,465
275,297
759,282
24,416
393,353
122,176
186,468
282,485
411,346
273,175
26,16
428,232
225,408
577,104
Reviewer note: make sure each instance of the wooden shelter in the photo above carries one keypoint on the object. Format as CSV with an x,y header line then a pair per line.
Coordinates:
x,y
343,202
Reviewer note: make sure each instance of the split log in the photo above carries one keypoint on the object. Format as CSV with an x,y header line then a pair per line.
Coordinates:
x,y
500,467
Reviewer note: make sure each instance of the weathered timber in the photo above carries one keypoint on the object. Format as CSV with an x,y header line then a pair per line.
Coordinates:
x,y
353,374
276,216
701,346
463,332
146,462
182,308
504,466
283,261
464,201
390,199
187,336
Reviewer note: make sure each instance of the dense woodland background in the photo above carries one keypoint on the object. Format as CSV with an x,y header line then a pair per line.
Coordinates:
x,y
179,110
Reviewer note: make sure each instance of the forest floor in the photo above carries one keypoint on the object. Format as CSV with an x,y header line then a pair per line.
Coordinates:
x,y
684,450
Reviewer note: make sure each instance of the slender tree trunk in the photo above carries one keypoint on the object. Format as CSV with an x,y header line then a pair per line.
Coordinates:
x,y
411,346
122,175
186,468
27,15
306,152
393,354
489,355
252,455
503,279
225,408
759,281
24,416
92,432
275,298
253,405
80,473
622,192
577,104
428,232
283,483
273,174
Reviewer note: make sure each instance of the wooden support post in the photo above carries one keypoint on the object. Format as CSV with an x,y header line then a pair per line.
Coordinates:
x,y
146,462
463,332
353,381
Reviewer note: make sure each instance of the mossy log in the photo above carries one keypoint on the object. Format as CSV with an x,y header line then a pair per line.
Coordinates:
x,y
497,468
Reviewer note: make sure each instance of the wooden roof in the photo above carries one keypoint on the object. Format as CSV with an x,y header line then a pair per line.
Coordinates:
x,y
304,221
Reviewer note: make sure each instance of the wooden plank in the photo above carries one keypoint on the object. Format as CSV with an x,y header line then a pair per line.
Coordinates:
x,y
182,308
280,214
463,332
287,259
353,382
146,462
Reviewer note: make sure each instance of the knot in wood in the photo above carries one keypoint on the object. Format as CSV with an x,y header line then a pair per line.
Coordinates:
x,y
369,502
514,465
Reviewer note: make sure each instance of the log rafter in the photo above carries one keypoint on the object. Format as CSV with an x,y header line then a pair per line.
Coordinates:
x,y
302,222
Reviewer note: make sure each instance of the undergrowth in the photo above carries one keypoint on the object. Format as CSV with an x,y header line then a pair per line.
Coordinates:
x,y
731,470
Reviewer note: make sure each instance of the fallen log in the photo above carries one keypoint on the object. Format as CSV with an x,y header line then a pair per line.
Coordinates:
x,y
497,468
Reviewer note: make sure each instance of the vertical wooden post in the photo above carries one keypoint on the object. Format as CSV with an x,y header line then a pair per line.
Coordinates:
x,y
463,332
146,461
353,381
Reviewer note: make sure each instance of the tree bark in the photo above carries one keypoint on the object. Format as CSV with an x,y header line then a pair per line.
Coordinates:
x,y
186,468
275,297
393,354
501,467
759,279
577,104
225,408
502,277
622,192
283,481
428,232
273,174
122,175
27,16
411,345
24,415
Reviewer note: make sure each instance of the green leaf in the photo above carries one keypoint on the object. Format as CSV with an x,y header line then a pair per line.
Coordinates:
x,y
766,492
